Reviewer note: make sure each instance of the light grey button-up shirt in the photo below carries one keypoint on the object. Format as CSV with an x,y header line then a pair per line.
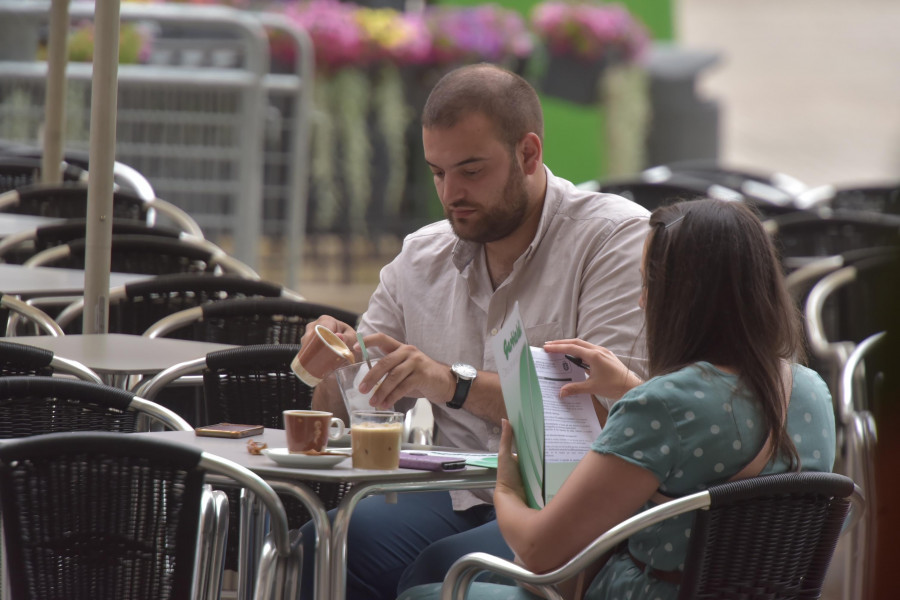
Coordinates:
x,y
579,277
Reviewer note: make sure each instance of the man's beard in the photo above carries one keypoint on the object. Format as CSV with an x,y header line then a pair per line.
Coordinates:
x,y
499,221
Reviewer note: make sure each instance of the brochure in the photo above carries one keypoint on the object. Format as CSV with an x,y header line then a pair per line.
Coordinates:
x,y
552,433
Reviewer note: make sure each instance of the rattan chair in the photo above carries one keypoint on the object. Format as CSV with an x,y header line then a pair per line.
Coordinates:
x,y
805,236
100,515
883,199
862,380
33,405
22,359
18,171
148,254
776,188
134,307
758,538
16,311
847,306
123,175
247,321
19,247
69,201
251,384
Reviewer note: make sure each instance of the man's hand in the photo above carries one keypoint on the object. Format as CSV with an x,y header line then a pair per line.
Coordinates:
x,y
410,373
341,329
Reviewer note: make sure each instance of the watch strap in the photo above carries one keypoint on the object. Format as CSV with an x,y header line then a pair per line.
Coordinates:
x,y
462,392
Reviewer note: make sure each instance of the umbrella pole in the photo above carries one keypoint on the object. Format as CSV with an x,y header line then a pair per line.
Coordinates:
x,y
102,156
54,107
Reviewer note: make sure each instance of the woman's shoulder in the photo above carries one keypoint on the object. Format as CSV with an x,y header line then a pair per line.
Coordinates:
x,y
691,381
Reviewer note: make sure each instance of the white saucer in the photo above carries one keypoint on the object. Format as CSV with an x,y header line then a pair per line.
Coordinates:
x,y
307,461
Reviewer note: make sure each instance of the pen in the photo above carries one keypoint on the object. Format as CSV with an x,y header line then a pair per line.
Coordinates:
x,y
577,362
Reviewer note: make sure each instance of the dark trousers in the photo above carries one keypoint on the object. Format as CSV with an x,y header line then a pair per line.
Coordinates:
x,y
391,547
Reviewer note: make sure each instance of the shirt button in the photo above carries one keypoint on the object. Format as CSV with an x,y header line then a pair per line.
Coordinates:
x,y
494,331
496,430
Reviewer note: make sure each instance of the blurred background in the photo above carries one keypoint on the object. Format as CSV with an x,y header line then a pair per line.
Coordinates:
x,y
810,89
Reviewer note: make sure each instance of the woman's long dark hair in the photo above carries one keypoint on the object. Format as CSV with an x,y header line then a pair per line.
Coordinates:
x,y
715,292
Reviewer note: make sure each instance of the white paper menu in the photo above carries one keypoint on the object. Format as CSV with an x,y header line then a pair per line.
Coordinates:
x,y
552,433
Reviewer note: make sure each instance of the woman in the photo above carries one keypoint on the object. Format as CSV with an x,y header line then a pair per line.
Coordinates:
x,y
721,334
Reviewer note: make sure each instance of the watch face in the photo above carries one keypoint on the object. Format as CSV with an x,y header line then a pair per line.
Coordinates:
x,y
464,371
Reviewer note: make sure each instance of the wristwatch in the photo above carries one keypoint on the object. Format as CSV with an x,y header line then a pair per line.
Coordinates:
x,y
465,375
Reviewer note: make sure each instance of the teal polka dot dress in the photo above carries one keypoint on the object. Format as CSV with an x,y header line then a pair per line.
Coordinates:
x,y
692,429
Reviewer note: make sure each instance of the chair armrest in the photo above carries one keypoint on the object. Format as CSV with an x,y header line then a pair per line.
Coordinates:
x,y
464,570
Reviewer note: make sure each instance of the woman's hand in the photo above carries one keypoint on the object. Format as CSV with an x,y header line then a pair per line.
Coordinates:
x,y
509,479
607,377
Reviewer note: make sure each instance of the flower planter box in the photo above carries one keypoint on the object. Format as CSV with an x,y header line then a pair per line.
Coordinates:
x,y
572,79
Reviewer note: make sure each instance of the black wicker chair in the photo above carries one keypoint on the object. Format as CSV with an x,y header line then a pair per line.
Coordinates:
x,y
69,201
22,171
779,189
758,538
19,247
247,321
847,306
251,384
882,199
861,398
148,254
101,515
22,359
652,192
136,306
805,236
33,405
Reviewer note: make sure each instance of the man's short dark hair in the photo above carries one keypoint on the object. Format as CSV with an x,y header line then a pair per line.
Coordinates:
x,y
505,98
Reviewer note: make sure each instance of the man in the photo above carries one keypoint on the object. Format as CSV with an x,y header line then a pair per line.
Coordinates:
x,y
513,233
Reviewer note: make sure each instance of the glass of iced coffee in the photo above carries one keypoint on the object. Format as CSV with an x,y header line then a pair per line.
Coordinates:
x,y
375,437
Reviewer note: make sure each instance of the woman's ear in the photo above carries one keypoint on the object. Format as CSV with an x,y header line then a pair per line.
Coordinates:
x,y
531,151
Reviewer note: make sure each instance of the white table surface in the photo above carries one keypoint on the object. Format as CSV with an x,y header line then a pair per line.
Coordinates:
x,y
119,353
331,550
30,282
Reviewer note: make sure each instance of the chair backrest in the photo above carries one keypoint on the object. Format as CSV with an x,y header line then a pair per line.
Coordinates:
x,y
123,175
845,307
246,321
652,195
848,305
766,537
147,254
34,405
19,247
883,199
804,236
21,171
775,188
100,515
22,359
136,306
16,310
69,201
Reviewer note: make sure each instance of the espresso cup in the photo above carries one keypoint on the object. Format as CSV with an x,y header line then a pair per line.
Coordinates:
x,y
322,354
310,430
375,436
